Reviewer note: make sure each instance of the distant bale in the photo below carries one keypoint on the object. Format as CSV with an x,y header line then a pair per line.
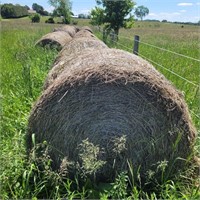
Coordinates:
x,y
71,30
79,45
120,103
54,40
84,33
69,54
87,28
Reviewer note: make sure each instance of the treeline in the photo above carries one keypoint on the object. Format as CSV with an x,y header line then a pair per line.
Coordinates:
x,y
165,21
13,11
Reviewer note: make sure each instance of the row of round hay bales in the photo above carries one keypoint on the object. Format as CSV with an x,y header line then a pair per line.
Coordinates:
x,y
117,101
61,36
83,41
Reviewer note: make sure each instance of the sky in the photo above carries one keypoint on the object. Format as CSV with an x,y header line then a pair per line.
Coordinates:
x,y
170,10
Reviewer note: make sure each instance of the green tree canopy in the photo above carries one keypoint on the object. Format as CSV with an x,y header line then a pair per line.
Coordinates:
x,y
97,15
62,8
114,14
13,11
39,9
141,12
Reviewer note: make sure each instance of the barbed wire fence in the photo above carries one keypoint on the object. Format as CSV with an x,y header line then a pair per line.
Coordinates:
x,y
137,42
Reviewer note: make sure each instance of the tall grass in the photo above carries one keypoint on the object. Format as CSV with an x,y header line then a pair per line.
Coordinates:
x,y
23,70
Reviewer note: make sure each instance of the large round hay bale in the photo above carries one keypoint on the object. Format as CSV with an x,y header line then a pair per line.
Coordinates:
x,y
54,40
70,54
71,30
120,103
79,45
87,28
84,33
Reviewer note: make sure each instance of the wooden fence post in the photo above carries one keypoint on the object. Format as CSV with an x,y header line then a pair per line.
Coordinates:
x,y
136,44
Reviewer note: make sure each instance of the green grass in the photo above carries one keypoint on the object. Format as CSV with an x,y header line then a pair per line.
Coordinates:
x,y
23,70
170,37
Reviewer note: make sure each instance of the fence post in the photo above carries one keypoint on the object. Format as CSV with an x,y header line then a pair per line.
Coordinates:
x,y
136,44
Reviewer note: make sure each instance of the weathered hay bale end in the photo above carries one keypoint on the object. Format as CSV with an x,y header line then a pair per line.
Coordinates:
x,y
71,30
70,54
87,28
113,97
84,33
54,40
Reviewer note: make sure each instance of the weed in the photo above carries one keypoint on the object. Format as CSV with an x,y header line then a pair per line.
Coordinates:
x,y
88,154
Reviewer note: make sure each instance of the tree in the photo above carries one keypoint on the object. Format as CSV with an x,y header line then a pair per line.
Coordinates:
x,y
62,8
27,7
83,16
13,11
97,16
114,14
39,9
141,12
35,18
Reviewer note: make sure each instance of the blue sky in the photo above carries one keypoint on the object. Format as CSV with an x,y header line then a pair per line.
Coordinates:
x,y
171,10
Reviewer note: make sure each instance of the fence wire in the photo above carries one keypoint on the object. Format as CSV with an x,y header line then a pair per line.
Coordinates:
x,y
163,49
165,68
174,73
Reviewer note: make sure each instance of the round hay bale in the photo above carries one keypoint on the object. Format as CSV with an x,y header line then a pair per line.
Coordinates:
x,y
71,30
120,103
78,45
54,40
69,54
85,33
87,28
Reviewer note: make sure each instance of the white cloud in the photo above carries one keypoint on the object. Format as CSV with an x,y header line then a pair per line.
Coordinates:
x,y
185,4
182,11
198,3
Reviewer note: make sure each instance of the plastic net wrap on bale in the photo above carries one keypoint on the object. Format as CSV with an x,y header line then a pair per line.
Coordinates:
x,y
70,55
120,103
54,40
71,30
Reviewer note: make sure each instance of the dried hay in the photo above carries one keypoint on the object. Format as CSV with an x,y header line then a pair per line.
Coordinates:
x,y
87,28
85,33
106,95
70,53
78,45
71,30
54,40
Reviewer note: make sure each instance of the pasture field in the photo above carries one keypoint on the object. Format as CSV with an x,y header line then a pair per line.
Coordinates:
x,y
23,69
